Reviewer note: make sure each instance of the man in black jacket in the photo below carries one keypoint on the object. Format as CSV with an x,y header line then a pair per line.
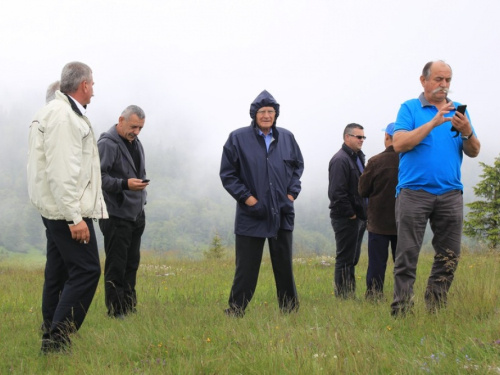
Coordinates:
x,y
378,183
347,208
261,168
123,175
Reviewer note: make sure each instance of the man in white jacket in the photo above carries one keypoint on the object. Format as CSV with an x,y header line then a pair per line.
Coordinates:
x,y
64,183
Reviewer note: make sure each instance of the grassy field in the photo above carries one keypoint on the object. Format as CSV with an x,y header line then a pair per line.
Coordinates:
x,y
180,327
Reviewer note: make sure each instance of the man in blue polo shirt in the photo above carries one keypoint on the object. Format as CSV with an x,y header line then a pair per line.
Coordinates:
x,y
430,186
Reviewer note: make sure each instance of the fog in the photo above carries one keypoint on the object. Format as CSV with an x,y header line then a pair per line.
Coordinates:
x,y
195,67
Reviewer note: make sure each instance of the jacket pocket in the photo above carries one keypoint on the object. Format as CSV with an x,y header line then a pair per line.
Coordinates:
x,y
287,206
258,210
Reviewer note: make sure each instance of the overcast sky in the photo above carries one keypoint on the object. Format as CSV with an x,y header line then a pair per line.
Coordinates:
x,y
195,66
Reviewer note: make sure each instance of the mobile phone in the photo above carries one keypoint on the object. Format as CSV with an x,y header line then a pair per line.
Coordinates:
x,y
145,180
461,108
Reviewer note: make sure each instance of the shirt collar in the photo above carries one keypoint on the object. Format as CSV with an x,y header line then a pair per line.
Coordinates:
x,y
262,134
425,103
80,107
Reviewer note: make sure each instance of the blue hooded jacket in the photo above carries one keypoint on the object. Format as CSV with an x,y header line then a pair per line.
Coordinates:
x,y
248,169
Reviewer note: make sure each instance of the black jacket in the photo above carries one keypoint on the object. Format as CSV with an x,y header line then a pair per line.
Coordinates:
x,y
343,175
116,166
247,169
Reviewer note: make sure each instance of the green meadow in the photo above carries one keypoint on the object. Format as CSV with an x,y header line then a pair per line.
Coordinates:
x,y
180,327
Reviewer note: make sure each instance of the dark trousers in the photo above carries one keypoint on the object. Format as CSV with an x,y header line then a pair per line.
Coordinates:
x,y
445,213
122,245
348,237
248,259
72,273
378,254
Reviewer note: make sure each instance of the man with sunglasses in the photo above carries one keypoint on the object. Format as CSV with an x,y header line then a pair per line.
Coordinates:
x,y
430,187
261,168
347,208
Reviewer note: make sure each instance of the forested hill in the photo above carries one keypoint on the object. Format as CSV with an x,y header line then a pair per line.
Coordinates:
x,y
186,206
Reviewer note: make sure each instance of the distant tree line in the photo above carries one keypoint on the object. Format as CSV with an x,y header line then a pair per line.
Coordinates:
x,y
186,210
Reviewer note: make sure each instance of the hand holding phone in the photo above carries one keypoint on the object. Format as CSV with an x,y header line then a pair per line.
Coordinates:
x,y
145,180
461,109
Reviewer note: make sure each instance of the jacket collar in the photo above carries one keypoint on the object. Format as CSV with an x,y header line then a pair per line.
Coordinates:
x,y
273,128
113,133
73,105
353,155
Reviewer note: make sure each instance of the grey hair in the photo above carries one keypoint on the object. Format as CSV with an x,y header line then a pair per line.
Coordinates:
x,y
51,91
133,110
351,126
426,72
73,74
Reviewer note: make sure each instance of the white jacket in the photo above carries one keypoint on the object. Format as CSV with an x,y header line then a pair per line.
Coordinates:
x,y
64,173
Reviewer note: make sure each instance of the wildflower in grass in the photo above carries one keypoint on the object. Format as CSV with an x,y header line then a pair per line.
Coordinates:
x,y
389,328
31,309
208,339
425,367
335,357
160,344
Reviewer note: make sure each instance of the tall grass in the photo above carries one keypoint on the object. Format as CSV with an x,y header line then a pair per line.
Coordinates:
x,y
180,327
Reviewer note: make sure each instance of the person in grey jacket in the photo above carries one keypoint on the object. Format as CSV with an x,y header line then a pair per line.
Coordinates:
x,y
124,184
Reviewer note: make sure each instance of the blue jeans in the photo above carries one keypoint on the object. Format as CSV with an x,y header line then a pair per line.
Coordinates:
x,y
348,237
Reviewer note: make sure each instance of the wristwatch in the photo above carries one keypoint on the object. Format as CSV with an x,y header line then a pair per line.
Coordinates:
x,y
466,137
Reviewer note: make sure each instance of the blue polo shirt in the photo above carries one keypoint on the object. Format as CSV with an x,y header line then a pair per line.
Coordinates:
x,y
434,164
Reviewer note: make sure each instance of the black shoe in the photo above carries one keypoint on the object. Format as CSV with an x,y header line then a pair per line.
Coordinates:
x,y
118,316
235,313
401,313
55,344
45,328
375,296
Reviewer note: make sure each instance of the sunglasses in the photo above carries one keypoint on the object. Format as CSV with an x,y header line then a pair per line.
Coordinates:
x,y
360,137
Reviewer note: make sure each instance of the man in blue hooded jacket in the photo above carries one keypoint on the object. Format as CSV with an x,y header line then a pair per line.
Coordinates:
x,y
261,168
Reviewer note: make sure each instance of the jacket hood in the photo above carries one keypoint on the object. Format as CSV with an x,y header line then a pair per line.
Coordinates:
x,y
111,134
264,99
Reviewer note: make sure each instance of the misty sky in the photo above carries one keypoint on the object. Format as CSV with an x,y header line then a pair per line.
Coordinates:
x,y
195,66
